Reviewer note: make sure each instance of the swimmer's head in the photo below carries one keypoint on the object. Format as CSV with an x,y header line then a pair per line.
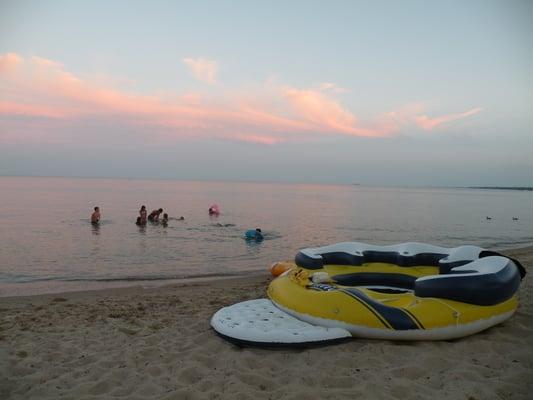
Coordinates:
x,y
258,230
96,208
160,210
143,208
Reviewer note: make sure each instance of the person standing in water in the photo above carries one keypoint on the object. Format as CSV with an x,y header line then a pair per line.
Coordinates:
x,y
95,216
143,215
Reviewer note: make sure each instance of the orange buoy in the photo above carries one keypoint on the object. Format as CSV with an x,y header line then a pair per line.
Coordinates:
x,y
280,267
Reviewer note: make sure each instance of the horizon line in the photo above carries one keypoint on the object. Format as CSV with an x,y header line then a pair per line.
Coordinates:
x,y
360,184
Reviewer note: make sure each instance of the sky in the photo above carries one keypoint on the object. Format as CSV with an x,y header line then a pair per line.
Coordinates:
x,y
379,93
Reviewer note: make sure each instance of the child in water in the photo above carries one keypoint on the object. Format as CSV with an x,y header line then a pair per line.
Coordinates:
x,y
256,234
143,215
164,221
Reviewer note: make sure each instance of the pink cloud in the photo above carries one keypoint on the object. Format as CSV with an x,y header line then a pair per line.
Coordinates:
x,y
203,69
427,123
268,114
414,114
44,62
9,62
326,114
9,108
332,88
257,139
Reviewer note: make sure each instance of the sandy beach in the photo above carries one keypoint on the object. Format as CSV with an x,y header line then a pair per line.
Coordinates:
x,y
157,343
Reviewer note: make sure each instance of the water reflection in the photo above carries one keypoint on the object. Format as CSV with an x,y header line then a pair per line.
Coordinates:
x,y
253,243
253,247
95,229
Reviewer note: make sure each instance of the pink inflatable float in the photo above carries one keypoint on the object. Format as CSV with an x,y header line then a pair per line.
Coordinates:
x,y
214,210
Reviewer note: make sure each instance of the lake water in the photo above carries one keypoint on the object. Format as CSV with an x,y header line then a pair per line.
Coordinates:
x,y
48,244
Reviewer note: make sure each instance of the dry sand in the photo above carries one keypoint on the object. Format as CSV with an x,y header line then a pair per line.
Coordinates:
x,y
157,344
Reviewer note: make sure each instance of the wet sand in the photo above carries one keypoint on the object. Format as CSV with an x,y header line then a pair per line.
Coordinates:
x,y
136,343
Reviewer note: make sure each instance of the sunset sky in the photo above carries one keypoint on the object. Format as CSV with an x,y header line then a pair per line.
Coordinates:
x,y
383,93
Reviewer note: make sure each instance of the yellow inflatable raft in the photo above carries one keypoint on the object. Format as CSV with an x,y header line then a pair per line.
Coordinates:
x,y
410,291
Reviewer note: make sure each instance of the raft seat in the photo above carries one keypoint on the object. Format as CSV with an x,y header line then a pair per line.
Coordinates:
x,y
486,281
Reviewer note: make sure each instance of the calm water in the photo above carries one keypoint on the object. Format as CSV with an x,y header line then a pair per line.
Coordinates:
x,y
48,244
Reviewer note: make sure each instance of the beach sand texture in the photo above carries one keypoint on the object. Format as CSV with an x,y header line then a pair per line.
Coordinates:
x,y
157,344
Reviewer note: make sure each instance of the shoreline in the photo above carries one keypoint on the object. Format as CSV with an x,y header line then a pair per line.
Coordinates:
x,y
161,283
137,343
125,284
118,290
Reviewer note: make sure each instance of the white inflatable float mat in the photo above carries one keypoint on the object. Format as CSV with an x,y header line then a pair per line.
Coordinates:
x,y
261,323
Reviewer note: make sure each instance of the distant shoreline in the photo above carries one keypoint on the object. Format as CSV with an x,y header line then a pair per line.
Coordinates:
x,y
269,182
522,188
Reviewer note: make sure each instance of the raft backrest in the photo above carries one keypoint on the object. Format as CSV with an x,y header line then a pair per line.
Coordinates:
x,y
403,255
486,281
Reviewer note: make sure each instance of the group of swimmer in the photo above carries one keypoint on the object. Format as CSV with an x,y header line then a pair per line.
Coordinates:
x,y
153,217
142,219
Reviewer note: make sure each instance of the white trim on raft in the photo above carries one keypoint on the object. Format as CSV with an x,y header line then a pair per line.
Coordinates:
x,y
449,332
454,254
462,253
